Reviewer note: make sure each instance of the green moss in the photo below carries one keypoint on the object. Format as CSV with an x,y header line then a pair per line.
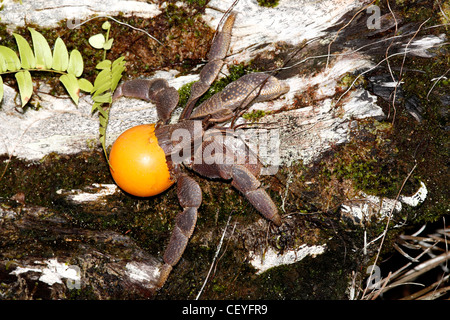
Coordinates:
x,y
148,221
350,79
178,15
370,161
85,293
308,279
200,3
254,116
184,92
426,143
413,10
445,13
40,180
268,3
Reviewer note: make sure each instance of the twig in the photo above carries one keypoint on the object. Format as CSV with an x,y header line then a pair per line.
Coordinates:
x,y
436,81
435,294
422,294
380,62
382,288
401,68
345,26
442,11
366,245
390,45
387,60
355,50
214,259
123,23
288,182
405,275
389,219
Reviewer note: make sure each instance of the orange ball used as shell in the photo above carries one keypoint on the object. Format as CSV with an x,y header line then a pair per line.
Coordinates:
x,y
138,164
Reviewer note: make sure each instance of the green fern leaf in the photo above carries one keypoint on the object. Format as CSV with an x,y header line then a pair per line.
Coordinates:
x,y
105,64
70,82
102,80
28,61
1,89
95,106
103,120
97,41
75,63
104,98
105,83
25,85
60,56
104,116
118,62
108,44
103,123
2,64
118,67
105,86
42,50
11,59
106,25
85,85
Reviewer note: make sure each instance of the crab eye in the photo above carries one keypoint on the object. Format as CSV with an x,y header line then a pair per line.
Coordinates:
x,y
138,164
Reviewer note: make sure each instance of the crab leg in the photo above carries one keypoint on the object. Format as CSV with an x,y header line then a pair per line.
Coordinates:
x,y
243,176
156,91
190,197
217,53
246,182
253,87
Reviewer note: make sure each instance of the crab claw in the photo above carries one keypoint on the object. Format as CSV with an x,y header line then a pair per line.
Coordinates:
x,y
156,91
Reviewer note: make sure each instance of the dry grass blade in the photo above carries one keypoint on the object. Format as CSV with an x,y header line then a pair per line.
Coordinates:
x,y
383,284
403,253
433,253
423,294
422,268
435,294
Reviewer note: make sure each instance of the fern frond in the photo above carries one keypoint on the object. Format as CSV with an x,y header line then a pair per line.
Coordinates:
x,y
104,85
41,59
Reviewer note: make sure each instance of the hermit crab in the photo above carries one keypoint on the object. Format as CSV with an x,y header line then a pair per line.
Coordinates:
x,y
148,159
